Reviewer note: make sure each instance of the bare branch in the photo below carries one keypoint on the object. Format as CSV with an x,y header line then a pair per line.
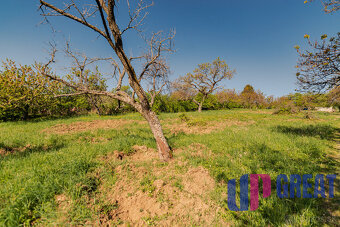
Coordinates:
x,y
136,17
68,15
157,45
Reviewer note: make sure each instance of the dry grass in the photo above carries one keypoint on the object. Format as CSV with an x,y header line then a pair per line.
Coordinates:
x,y
176,127
82,126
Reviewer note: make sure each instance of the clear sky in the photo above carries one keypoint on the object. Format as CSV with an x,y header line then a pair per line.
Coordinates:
x,y
256,38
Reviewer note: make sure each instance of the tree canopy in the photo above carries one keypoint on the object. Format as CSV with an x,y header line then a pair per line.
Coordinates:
x,y
205,79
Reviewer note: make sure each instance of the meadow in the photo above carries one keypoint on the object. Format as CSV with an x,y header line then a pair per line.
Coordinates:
x,y
92,170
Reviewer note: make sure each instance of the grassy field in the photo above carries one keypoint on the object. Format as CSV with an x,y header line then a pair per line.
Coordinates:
x,y
96,171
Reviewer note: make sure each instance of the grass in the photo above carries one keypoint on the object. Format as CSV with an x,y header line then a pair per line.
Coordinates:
x,y
40,166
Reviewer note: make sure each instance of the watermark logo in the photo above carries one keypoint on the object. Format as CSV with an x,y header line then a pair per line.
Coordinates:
x,y
284,188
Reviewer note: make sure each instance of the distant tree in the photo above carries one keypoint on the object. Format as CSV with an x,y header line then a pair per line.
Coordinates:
x,y
319,68
182,91
270,101
284,105
303,101
24,92
334,97
248,89
329,5
204,80
228,98
100,16
251,98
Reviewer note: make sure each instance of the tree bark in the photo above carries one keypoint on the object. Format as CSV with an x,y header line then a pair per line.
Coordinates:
x,y
200,105
163,147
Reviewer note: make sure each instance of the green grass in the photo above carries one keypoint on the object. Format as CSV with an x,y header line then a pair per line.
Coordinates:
x,y
31,176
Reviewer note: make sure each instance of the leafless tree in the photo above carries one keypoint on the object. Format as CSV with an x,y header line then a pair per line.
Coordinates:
x,y
157,78
86,13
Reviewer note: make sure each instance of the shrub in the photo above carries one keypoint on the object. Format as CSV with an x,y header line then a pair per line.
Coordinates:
x,y
24,93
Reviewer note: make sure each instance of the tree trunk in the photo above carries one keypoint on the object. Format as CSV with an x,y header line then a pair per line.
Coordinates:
x,y
26,112
200,105
152,101
163,147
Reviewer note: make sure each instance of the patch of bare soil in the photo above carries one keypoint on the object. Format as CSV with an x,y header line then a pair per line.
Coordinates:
x,y
304,119
88,126
10,150
143,153
149,192
196,150
63,207
3,152
212,126
93,139
257,111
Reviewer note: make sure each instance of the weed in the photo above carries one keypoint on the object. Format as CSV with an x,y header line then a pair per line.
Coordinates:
x,y
147,185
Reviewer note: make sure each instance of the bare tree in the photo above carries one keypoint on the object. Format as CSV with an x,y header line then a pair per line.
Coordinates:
x,y
85,14
157,77
205,80
83,77
319,68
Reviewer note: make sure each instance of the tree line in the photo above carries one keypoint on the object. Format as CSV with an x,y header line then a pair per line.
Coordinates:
x,y
27,94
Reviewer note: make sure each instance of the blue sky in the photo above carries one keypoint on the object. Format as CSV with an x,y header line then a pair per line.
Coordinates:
x,y
256,38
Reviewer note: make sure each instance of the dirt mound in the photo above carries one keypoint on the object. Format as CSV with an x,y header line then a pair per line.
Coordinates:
x,y
87,126
143,153
213,126
148,192
256,111
198,181
3,152
165,203
152,193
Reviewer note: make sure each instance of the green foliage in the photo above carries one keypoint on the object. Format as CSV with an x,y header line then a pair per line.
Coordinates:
x,y
204,80
184,118
191,122
285,110
147,185
24,92
169,104
196,123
